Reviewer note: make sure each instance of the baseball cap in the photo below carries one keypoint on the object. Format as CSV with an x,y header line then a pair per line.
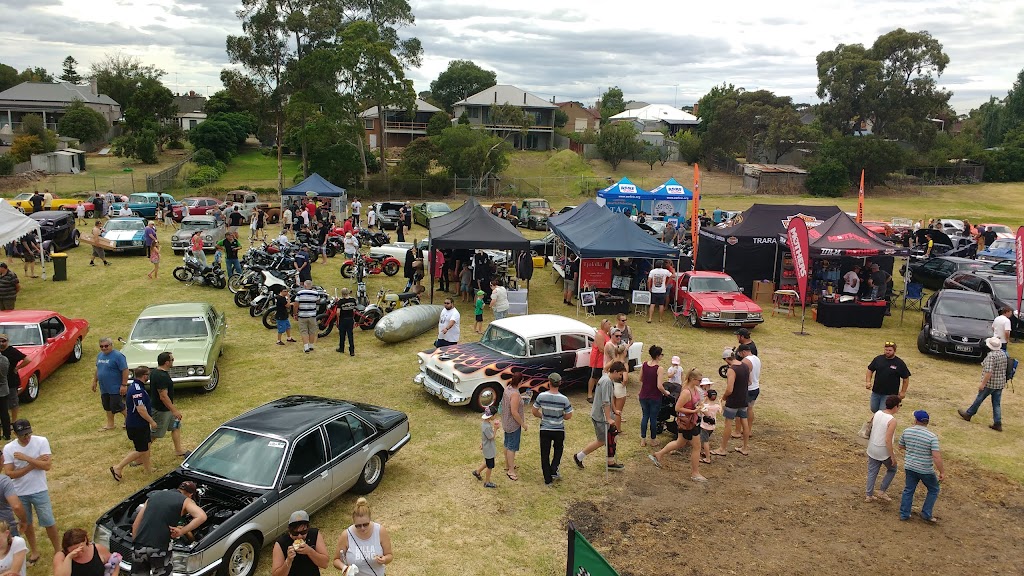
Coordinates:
x,y
555,378
675,360
188,486
3,264
298,517
920,415
743,332
727,353
22,427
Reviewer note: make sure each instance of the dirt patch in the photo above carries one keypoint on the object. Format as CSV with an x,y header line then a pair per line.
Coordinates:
x,y
796,506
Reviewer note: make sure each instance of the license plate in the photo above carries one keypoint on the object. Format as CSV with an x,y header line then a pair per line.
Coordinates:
x,y
734,323
964,348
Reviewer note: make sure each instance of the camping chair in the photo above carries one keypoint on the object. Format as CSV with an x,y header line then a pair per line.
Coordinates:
x,y
914,295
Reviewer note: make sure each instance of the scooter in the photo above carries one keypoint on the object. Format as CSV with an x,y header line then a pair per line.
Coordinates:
x,y
193,272
375,264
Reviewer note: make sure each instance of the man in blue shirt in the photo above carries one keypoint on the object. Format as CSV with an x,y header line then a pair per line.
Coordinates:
x,y
112,379
138,424
923,459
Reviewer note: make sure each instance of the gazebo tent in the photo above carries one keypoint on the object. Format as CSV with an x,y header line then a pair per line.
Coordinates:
x,y
841,236
14,225
593,231
315,186
668,198
748,250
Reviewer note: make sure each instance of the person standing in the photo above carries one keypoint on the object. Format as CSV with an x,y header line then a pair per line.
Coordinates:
x,y
149,237
488,428
97,251
602,415
622,325
851,281
499,299
747,356
371,218
409,266
553,409
80,212
743,337
597,357
688,418
26,461
302,266
161,393
301,551
512,422
230,245
1001,326
235,219
617,351
571,269
365,544
111,376
888,370
139,424
737,381
478,312
286,220
14,358
657,283
357,207
880,449
30,253
400,225
151,539
346,322
154,259
652,390
993,382
281,306
9,287
922,460
305,307
37,201
10,504
448,331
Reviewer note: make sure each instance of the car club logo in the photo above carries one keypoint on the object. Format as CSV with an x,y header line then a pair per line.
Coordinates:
x,y
732,240
811,221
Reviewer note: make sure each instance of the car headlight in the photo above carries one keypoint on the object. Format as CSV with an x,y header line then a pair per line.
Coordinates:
x,y
191,371
200,370
455,378
101,535
419,360
710,315
753,315
938,333
208,238
186,563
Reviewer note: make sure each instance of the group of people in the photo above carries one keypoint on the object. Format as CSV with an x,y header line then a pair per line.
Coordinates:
x,y
28,250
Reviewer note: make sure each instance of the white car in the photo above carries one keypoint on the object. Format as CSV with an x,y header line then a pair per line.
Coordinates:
x,y
398,250
535,344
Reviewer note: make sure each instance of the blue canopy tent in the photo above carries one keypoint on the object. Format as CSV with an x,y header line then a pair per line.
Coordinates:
x,y
315,186
669,198
594,231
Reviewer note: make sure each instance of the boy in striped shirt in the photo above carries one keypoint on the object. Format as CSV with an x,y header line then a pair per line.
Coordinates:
x,y
923,458
553,409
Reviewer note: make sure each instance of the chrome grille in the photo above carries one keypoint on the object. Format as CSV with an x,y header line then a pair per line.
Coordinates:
x,y
437,377
734,316
178,371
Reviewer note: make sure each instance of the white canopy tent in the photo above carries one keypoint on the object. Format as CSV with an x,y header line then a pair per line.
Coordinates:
x,y
14,225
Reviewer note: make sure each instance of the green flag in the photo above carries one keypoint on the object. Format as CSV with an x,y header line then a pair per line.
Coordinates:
x,y
583,559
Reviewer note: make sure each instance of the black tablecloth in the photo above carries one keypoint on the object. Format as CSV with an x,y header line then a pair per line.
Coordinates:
x,y
851,314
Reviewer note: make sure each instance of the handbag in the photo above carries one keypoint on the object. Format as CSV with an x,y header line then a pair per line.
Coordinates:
x,y
351,541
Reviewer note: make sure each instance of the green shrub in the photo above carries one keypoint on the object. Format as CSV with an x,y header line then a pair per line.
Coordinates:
x,y
6,164
203,176
204,157
265,190
220,167
828,178
175,145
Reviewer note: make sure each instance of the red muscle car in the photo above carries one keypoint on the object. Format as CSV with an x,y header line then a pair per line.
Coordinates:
x,y
200,206
47,339
714,299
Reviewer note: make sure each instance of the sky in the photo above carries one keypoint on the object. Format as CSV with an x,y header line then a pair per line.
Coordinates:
x,y
657,51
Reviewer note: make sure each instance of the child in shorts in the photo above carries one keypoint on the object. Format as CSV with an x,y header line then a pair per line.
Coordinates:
x,y
488,428
465,278
708,412
478,310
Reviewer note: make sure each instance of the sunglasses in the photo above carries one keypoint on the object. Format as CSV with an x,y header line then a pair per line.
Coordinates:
x,y
889,345
361,526
3,339
302,532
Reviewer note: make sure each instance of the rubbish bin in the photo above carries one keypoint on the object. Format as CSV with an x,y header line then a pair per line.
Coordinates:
x,y
60,266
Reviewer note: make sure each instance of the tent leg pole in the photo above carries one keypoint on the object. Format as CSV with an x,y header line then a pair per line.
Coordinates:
x,y
42,257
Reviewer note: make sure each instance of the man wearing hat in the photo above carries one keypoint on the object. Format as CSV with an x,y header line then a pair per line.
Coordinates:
x,y
26,461
553,409
743,337
9,287
921,447
993,381
293,554
151,550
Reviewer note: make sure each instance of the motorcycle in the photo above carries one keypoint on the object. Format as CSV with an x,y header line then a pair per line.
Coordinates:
x,y
269,312
389,301
193,272
270,286
365,318
375,264
373,239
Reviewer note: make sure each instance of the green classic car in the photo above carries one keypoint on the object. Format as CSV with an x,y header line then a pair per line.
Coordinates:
x,y
192,331
422,213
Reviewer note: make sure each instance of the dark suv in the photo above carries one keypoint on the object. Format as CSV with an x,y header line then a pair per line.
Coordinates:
x,y
57,226
1000,287
956,323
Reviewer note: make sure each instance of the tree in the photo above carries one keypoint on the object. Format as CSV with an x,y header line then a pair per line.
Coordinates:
x,y
119,75
8,76
140,144
651,155
32,125
438,122
417,157
83,123
828,178
561,118
216,135
464,118
893,85
611,103
36,74
464,152
242,124
461,79
6,165
1005,164
688,144
70,71
24,146
152,108
617,142
878,157
507,120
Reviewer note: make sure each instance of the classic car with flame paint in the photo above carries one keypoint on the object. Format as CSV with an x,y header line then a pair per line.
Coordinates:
x,y
535,344
714,299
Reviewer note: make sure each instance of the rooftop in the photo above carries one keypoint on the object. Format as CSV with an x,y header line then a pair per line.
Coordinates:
x,y
421,106
662,112
60,93
506,94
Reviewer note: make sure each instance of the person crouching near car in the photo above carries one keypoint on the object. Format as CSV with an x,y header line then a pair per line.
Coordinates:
x,y
365,544
301,550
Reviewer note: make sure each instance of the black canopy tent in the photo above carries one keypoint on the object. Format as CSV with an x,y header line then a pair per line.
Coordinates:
x,y
471,227
748,250
594,231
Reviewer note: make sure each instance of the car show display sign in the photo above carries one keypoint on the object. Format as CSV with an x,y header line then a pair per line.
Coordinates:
x,y
796,233
596,272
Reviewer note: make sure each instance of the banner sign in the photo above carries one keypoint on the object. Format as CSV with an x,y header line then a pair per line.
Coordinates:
x,y
1020,266
583,559
798,246
860,200
596,272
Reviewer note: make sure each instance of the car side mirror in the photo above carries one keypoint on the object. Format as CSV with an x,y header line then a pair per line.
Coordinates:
x,y
291,480
742,290
121,340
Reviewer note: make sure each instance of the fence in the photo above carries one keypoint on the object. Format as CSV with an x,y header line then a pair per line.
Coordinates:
x,y
166,178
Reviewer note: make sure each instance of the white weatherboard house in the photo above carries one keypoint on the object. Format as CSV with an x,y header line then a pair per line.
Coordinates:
x,y
540,135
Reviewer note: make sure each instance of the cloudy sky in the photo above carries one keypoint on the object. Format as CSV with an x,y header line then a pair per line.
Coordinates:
x,y
657,51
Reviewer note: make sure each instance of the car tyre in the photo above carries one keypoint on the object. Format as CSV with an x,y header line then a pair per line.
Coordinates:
x,y
214,380
32,390
76,239
241,558
88,213
372,474
922,341
694,322
479,395
76,352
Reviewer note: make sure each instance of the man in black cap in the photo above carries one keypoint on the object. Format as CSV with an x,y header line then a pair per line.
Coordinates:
x,y
743,337
151,553
293,552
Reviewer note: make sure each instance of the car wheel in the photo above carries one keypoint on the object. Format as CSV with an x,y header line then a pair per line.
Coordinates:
x,y
214,380
76,352
693,318
76,239
241,558
372,474
922,341
32,390
88,213
486,395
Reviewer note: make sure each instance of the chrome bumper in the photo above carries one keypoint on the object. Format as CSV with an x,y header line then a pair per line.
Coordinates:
x,y
405,440
452,397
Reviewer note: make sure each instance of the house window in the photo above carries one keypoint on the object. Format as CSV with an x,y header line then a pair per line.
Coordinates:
x,y
192,124
474,112
368,123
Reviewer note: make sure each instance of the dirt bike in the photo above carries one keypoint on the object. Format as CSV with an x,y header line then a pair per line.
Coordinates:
x,y
375,264
388,301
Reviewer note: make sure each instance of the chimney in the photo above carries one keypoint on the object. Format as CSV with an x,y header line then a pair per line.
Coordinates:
x,y
495,96
92,86
524,98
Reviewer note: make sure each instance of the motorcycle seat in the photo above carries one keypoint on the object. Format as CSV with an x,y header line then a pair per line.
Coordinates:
x,y
400,297
378,256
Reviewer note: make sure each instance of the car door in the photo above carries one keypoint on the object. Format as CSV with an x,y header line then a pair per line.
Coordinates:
x,y
308,461
62,227
216,324
574,352
348,438
929,274
55,345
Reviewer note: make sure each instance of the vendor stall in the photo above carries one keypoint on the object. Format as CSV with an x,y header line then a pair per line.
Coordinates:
x,y
321,191
851,314
668,200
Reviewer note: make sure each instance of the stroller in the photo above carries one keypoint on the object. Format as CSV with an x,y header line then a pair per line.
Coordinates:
x,y
666,420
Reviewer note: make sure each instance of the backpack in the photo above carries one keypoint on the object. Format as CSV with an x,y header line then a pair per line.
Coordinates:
x,y
1011,368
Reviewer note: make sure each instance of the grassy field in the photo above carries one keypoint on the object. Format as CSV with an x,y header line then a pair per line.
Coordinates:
x,y
442,521
121,175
